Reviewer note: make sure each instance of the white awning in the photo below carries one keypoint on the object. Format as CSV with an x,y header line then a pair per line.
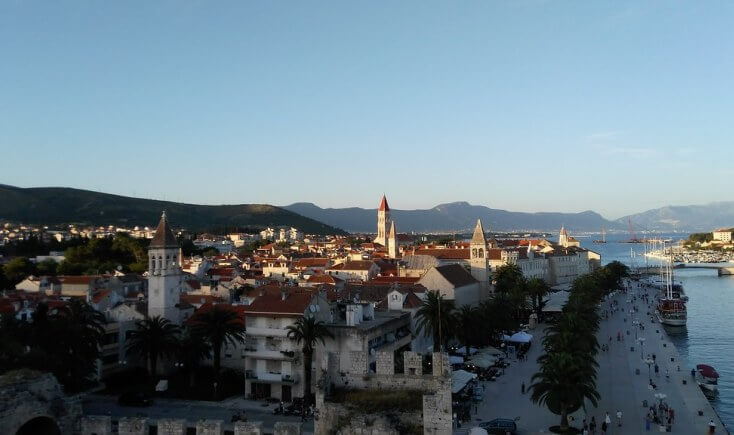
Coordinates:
x,y
456,359
521,337
459,379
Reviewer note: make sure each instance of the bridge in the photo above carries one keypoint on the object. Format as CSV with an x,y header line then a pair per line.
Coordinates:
x,y
721,270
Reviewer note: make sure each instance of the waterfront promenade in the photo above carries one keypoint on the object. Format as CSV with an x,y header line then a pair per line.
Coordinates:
x,y
618,384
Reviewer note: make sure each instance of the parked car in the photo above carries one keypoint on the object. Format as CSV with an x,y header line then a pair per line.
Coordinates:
x,y
499,426
134,398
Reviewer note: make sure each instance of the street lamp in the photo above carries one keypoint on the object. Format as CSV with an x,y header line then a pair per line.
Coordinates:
x,y
649,362
642,345
636,324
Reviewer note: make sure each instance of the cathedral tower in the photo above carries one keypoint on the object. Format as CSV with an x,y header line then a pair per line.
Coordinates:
x,y
383,220
164,273
392,242
479,258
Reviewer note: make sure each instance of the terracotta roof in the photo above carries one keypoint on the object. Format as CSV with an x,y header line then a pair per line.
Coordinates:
x,y
311,262
163,237
456,275
239,309
412,301
78,279
324,279
383,204
494,254
200,299
355,265
445,253
295,304
97,297
393,279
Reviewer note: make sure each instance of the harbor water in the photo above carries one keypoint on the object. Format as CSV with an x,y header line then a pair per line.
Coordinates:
x,y
708,338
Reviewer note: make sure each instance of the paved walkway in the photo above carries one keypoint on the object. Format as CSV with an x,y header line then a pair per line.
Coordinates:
x,y
620,388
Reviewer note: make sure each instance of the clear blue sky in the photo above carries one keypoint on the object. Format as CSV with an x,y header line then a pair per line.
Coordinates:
x,y
615,106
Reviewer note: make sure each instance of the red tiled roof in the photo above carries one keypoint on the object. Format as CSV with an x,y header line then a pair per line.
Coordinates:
x,y
311,262
445,253
80,279
393,279
325,279
295,304
97,297
383,204
354,265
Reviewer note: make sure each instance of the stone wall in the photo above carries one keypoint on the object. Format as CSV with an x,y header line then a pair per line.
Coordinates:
x,y
360,363
101,425
26,394
385,363
436,418
132,426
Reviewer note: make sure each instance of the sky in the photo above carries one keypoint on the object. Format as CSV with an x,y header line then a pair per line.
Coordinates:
x,y
612,106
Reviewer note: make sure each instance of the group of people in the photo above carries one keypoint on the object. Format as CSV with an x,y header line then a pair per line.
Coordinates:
x,y
606,424
662,415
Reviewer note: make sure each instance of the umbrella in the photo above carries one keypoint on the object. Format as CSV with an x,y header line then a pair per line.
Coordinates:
x,y
477,431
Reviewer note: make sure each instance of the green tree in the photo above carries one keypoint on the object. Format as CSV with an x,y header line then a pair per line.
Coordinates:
x,y
192,349
220,326
467,325
47,267
153,338
562,385
538,289
17,269
506,277
436,318
307,332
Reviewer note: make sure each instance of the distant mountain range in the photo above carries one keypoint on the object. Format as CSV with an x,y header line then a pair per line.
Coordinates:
x,y
461,216
63,205
454,216
705,217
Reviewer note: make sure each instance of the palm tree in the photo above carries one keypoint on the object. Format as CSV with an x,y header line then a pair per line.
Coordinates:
x,y
191,350
466,325
153,338
563,383
220,326
79,331
537,290
435,318
308,331
506,277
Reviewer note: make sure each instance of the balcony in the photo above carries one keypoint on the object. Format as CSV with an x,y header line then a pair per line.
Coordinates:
x,y
271,377
266,332
260,353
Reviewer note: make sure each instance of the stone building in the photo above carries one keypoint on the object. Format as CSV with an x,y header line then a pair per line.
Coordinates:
x,y
33,403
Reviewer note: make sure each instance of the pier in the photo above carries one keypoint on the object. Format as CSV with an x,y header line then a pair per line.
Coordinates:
x,y
721,270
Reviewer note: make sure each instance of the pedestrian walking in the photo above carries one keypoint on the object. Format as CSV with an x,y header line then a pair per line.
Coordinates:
x,y
619,418
607,418
712,426
603,428
667,375
522,387
592,425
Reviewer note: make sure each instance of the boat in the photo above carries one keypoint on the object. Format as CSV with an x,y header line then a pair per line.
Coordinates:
x,y
709,390
603,236
671,308
708,374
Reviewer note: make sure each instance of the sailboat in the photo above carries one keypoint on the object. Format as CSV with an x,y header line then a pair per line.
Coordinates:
x,y
671,308
603,236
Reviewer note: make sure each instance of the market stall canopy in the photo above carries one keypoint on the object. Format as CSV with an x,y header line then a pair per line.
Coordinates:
x,y
459,379
456,359
483,360
492,351
462,350
521,337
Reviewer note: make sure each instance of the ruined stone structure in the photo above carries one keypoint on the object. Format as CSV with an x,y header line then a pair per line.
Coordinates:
x,y
435,418
102,425
33,403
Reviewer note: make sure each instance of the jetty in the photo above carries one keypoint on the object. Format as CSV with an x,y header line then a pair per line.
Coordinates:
x,y
655,270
